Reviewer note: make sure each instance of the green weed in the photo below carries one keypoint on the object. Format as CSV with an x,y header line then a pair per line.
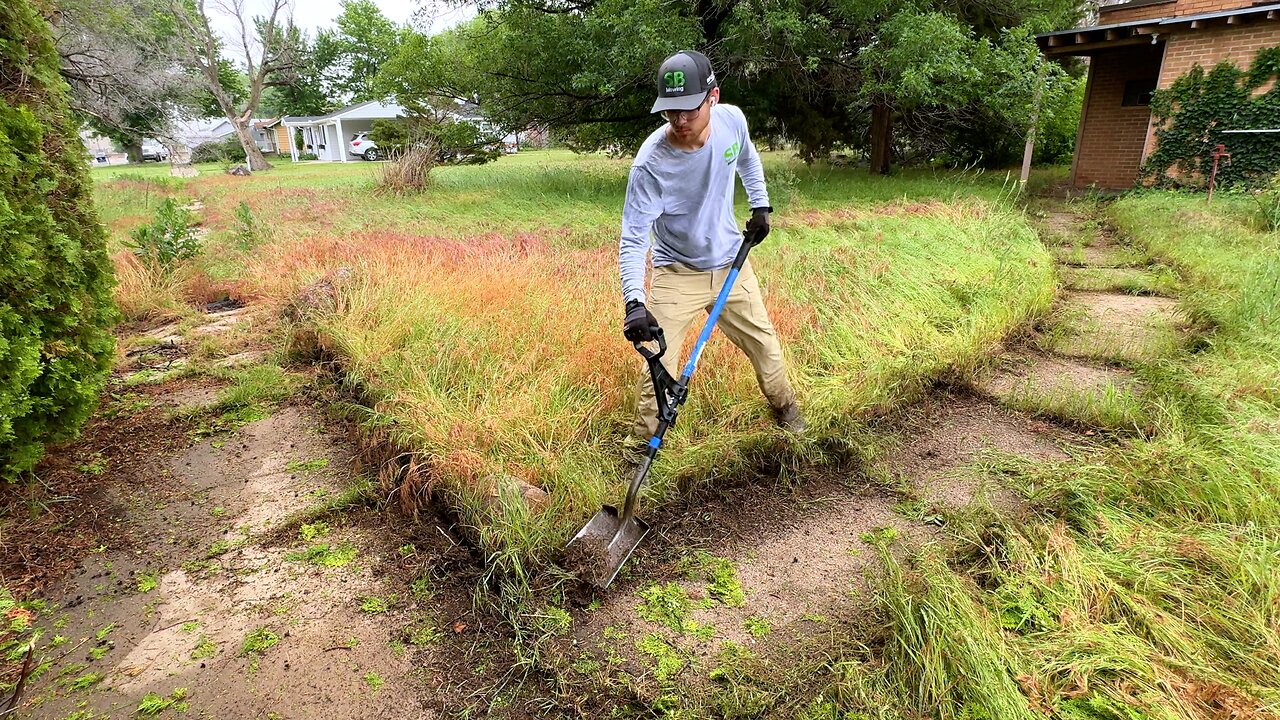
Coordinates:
x,y
374,681
757,626
306,466
84,682
311,531
720,575
258,642
374,605
666,659
205,648
253,392
148,581
326,555
153,704
667,605
95,467
422,634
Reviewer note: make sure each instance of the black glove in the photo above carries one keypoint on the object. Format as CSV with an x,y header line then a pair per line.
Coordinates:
x,y
640,325
758,225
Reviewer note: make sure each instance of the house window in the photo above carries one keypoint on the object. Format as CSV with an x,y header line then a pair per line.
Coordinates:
x,y
1138,92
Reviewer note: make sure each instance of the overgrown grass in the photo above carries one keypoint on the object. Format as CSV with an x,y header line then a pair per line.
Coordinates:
x,y
1148,585
497,363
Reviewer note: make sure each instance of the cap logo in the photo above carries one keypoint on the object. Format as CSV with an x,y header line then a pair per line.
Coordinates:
x,y
674,81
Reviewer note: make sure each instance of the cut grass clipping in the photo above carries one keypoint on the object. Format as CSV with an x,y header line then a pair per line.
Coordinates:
x,y
498,364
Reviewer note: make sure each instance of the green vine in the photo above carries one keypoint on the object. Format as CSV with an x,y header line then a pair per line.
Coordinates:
x,y
1192,114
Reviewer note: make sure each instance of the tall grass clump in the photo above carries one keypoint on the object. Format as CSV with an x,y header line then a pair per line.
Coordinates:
x,y
155,269
1268,211
945,650
408,172
497,363
1149,586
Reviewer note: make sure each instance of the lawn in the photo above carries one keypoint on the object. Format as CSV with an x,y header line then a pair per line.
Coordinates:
x,y
480,323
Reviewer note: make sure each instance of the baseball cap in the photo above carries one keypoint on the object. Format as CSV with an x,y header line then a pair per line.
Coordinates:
x,y
684,79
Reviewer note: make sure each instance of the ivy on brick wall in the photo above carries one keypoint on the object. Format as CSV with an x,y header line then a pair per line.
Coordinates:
x,y
1193,112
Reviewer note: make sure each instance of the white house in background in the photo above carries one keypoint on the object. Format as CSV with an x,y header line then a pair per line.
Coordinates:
x,y
328,136
202,130
102,150
199,131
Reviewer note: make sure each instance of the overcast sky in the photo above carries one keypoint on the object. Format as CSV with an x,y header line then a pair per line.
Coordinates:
x,y
426,15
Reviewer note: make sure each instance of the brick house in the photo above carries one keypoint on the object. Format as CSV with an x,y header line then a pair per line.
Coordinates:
x,y
1140,46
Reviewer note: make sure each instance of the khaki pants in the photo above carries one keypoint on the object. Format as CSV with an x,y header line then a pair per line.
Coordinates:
x,y
680,294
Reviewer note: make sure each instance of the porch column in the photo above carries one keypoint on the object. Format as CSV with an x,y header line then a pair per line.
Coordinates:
x,y
293,151
342,142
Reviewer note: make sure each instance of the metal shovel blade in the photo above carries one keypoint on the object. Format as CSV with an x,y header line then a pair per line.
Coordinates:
x,y
602,547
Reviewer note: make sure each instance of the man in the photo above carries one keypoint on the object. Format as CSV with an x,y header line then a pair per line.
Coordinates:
x,y
681,188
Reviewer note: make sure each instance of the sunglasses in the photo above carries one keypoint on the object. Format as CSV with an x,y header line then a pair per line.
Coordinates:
x,y
673,116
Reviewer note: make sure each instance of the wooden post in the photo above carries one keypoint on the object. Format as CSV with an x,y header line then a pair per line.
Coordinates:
x,y
1030,147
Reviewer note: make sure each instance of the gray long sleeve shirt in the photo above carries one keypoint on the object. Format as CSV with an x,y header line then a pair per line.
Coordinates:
x,y
686,199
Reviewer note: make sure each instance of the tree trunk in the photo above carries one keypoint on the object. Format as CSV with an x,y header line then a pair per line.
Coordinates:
x,y
881,137
134,151
251,151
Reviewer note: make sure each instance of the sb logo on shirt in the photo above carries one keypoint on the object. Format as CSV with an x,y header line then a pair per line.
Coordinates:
x,y
731,153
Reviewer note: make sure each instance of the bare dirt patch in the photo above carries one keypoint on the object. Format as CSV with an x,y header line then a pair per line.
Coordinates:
x,y
805,561
1045,375
171,562
1062,223
177,605
1102,253
192,601
949,434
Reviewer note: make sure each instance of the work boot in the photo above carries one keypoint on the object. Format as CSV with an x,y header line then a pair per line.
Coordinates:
x,y
789,418
634,449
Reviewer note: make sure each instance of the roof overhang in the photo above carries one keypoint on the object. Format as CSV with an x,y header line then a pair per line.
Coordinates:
x,y
1088,40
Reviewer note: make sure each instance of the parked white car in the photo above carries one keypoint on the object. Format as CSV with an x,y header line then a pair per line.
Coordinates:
x,y
362,146
154,152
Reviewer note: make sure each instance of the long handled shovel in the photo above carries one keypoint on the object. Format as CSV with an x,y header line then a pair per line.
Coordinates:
x,y
602,547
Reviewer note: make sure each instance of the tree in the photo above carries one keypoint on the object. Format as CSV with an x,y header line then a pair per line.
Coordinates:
x,y
262,44
299,89
120,59
814,71
55,277
364,41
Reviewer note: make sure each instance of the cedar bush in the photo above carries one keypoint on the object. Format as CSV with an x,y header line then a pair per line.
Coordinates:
x,y
55,278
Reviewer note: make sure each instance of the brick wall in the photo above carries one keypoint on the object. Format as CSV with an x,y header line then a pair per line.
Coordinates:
x,y
1129,12
1123,13
1112,136
1210,46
